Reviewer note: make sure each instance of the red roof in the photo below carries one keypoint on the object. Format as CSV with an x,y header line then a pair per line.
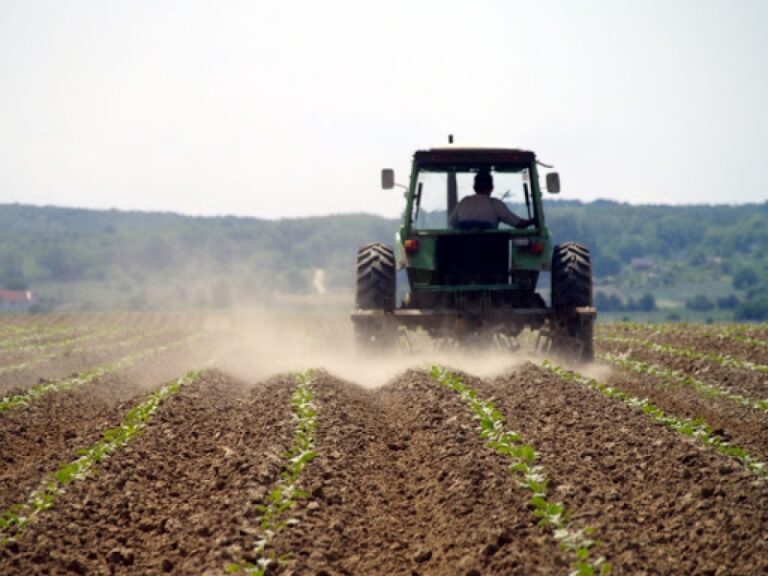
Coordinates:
x,y
16,296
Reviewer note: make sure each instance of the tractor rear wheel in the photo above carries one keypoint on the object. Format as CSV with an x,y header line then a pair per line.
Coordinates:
x,y
572,289
375,290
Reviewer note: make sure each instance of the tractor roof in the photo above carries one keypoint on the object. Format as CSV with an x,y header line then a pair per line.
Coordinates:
x,y
465,157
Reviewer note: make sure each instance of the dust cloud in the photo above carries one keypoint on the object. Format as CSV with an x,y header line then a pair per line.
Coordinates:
x,y
254,345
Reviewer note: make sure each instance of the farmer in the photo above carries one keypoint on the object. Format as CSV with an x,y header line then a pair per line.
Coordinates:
x,y
482,211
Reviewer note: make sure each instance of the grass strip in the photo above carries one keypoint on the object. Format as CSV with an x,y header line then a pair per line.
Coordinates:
x,y
678,377
285,492
17,517
551,514
39,390
696,428
722,359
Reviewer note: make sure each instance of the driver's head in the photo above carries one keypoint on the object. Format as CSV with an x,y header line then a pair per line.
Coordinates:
x,y
483,182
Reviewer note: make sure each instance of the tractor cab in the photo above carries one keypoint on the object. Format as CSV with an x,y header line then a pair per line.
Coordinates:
x,y
449,259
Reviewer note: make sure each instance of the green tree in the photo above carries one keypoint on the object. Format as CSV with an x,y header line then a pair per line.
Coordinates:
x,y
745,279
646,302
699,302
756,309
606,265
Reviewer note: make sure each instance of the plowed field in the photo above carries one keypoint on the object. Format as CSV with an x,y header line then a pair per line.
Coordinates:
x,y
179,444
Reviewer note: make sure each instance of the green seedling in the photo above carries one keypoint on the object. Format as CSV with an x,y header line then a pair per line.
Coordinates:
x,y
721,359
81,379
16,518
670,378
553,515
695,428
285,493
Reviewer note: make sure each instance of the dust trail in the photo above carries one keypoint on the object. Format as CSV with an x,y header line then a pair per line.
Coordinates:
x,y
258,344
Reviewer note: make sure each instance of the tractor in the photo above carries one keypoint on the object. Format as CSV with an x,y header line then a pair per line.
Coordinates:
x,y
474,283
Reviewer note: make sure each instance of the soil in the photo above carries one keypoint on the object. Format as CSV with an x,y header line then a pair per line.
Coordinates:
x,y
719,342
659,502
401,482
403,485
749,383
180,499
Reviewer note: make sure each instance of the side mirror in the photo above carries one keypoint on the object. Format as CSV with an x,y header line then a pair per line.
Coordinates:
x,y
553,183
387,178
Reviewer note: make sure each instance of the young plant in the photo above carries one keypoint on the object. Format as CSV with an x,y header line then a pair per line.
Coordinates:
x,y
81,379
678,377
18,516
696,428
285,492
720,359
550,514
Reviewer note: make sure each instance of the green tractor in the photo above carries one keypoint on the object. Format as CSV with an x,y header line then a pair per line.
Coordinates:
x,y
473,281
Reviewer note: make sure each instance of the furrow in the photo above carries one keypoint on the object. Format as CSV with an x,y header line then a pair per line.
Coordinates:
x,y
285,493
678,377
662,502
397,471
14,520
42,358
695,428
549,513
180,498
721,359
45,346
39,390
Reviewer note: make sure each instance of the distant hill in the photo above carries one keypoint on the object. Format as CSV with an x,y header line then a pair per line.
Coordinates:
x,y
90,258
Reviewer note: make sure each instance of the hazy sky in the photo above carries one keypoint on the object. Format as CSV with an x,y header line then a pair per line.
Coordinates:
x,y
292,108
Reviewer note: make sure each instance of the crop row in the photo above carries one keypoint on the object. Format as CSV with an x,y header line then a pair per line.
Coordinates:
x,y
695,428
285,492
522,457
82,378
21,336
42,358
64,343
669,377
18,516
736,332
721,359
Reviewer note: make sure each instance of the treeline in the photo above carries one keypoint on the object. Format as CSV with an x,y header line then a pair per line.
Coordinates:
x,y
157,259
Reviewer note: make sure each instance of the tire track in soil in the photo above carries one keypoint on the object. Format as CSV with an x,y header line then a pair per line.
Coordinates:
x,y
746,382
178,499
36,438
402,484
746,427
660,503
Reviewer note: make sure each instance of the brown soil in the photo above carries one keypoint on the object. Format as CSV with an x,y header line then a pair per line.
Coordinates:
x,y
86,356
750,383
699,339
660,503
401,484
744,426
180,499
36,438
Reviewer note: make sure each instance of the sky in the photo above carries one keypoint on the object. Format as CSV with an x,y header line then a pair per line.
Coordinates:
x,y
291,109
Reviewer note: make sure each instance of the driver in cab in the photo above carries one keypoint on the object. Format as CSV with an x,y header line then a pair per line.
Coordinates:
x,y
481,211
